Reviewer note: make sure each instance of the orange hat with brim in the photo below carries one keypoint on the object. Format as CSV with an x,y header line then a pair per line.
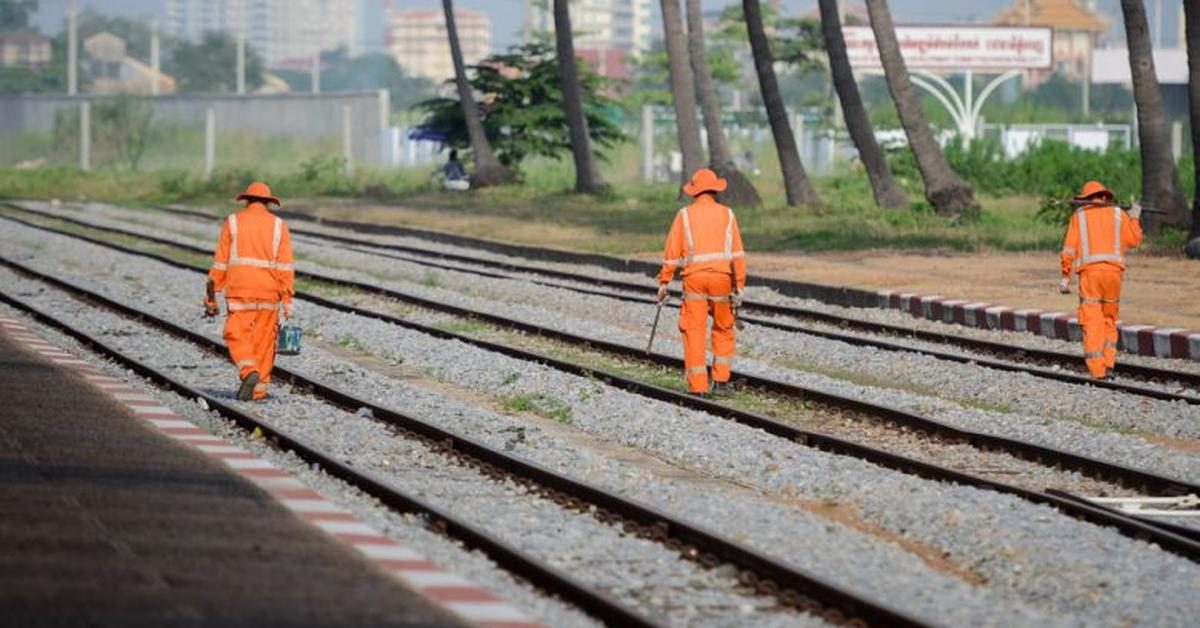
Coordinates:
x,y
258,191
704,180
1092,189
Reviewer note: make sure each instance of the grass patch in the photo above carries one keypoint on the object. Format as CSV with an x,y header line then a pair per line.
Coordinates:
x,y
463,326
544,406
349,341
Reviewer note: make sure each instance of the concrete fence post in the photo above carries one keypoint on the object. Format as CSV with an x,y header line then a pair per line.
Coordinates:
x,y
647,143
210,142
1177,140
85,136
347,138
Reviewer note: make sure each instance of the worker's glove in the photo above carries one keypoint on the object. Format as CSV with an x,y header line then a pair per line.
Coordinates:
x,y
738,297
288,312
1064,286
1135,211
211,309
662,293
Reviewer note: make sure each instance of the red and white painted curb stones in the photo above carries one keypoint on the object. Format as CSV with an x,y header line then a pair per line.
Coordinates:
x,y
1163,342
448,590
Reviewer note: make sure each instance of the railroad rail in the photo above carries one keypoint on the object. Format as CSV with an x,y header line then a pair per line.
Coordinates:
x,y
1145,482
1014,352
1038,357
792,586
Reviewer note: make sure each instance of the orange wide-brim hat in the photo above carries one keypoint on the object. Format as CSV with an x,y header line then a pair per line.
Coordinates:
x,y
704,180
258,191
1092,189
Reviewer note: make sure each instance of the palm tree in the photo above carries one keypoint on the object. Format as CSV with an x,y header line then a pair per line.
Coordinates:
x,y
1191,14
587,177
1160,181
887,192
488,169
795,180
944,189
683,89
740,191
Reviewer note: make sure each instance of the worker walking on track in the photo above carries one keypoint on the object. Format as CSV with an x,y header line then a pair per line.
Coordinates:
x,y
253,264
705,242
1095,246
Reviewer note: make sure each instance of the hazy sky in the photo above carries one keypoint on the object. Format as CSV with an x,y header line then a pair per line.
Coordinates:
x,y
506,14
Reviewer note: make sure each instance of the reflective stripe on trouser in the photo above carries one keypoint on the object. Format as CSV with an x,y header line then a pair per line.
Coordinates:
x,y
1099,302
250,330
693,325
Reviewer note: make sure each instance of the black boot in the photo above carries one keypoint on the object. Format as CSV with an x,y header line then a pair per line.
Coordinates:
x,y
246,390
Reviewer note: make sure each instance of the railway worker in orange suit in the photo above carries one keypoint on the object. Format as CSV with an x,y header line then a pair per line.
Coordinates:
x,y
705,243
1095,246
253,264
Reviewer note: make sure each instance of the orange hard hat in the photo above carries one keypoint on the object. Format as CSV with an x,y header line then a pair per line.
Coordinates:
x,y
258,191
1092,189
704,180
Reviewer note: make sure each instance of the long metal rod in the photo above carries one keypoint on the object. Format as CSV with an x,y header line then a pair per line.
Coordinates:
x,y
1013,352
789,583
1134,478
1127,525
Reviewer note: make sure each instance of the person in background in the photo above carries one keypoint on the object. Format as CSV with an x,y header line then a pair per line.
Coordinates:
x,y
1095,245
454,176
706,244
254,266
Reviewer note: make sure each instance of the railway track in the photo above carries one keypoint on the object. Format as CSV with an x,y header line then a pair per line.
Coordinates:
x,y
1145,483
1069,361
792,587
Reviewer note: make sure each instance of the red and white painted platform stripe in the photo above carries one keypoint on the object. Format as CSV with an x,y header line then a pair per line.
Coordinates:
x,y
1139,339
455,593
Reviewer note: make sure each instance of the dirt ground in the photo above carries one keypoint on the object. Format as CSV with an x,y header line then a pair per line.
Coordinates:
x,y
1163,291
1157,291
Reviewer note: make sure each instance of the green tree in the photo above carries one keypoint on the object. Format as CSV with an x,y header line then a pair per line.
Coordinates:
x,y
14,14
521,107
211,65
123,128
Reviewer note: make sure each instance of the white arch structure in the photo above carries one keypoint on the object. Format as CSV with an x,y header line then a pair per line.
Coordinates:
x,y
963,108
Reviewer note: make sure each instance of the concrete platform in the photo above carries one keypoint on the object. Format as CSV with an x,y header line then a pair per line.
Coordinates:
x,y
108,517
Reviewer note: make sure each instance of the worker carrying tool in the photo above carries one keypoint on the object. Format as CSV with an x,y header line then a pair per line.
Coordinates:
x,y
705,242
253,264
1095,245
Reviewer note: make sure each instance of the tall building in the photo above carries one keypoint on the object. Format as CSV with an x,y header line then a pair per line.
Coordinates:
x,y
285,33
418,41
606,31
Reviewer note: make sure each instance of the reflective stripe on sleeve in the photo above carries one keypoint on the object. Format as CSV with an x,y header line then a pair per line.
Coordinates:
x,y
673,262
219,266
1066,250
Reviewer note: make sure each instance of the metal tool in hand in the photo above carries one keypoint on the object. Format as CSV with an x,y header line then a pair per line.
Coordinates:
x,y
654,328
1125,206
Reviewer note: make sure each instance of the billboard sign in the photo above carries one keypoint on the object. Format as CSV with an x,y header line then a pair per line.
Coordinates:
x,y
957,48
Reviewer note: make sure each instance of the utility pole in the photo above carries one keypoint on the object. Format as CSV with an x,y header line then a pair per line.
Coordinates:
x,y
154,64
241,48
1158,24
72,46
316,59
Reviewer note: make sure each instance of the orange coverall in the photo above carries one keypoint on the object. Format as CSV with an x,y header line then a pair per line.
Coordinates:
x,y
1095,247
705,241
253,264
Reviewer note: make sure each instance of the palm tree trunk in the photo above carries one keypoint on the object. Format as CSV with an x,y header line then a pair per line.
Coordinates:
x,y
587,177
488,169
888,193
1192,25
740,191
944,189
1160,181
795,181
683,89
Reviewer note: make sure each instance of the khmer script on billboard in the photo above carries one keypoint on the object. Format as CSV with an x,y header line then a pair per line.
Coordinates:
x,y
978,48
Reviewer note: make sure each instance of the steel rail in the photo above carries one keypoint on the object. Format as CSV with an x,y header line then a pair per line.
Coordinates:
x,y
1011,352
545,577
792,586
1145,530
1133,478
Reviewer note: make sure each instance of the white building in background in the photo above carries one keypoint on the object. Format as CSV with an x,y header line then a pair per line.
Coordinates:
x,y
417,39
607,31
285,33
